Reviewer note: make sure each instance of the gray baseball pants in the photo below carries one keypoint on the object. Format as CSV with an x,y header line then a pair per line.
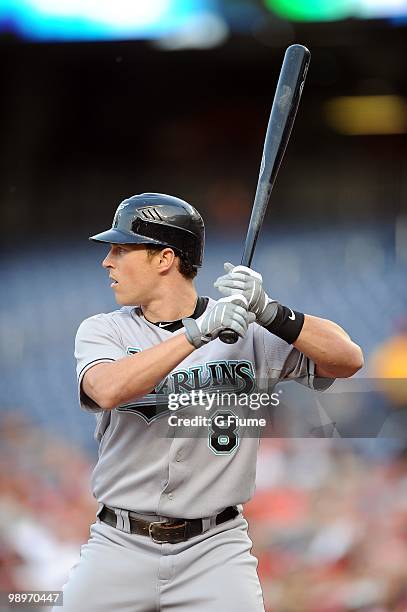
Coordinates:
x,y
122,572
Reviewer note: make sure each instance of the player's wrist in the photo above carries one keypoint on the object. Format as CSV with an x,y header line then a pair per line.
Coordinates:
x,y
282,321
264,308
193,333
267,314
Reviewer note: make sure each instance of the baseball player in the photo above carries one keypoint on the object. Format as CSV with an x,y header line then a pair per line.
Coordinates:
x,y
169,532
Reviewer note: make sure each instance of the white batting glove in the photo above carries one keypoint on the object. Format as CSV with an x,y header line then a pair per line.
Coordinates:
x,y
228,313
245,281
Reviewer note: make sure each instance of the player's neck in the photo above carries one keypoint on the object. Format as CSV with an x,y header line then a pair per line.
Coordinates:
x,y
172,304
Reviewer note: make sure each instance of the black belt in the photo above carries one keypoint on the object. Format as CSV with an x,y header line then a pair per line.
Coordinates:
x,y
172,531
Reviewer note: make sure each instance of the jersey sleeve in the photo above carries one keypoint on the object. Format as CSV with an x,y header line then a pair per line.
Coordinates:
x,y
285,362
97,341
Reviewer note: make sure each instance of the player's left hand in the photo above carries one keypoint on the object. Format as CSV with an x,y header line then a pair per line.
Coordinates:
x,y
243,280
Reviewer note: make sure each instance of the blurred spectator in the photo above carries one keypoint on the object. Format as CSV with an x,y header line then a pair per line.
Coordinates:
x,y
44,497
329,526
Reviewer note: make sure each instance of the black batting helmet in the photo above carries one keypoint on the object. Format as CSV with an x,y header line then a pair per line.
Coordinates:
x,y
158,219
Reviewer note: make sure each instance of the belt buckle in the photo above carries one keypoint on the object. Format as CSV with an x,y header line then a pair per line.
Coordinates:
x,y
151,534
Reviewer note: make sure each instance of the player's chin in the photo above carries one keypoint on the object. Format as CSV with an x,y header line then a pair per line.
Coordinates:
x,y
118,295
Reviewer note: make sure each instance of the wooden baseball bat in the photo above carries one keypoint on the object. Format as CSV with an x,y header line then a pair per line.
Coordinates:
x,y
283,111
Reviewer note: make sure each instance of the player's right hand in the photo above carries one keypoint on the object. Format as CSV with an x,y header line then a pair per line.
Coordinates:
x,y
228,313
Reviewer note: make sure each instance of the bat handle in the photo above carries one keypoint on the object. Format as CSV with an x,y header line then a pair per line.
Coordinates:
x,y
229,336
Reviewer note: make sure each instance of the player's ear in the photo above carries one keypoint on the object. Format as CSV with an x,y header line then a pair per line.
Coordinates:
x,y
165,259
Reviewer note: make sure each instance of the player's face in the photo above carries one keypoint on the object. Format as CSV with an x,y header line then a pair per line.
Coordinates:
x,y
132,274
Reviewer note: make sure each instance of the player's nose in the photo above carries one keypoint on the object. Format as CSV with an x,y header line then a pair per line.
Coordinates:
x,y
107,262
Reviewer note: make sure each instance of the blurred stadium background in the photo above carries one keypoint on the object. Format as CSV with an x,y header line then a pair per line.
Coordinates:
x,y
103,99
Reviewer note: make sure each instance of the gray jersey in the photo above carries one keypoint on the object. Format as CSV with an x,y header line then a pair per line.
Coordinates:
x,y
142,465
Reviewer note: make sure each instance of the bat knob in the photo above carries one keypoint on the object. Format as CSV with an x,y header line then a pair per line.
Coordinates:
x,y
228,336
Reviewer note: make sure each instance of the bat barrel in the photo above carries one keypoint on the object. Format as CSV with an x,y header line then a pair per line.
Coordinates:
x,y
285,105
